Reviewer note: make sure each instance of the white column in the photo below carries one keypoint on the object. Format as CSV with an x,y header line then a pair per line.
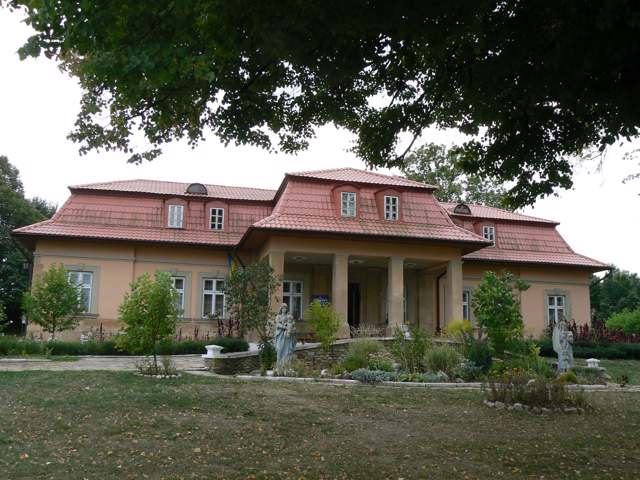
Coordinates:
x,y
395,292
276,260
453,302
339,292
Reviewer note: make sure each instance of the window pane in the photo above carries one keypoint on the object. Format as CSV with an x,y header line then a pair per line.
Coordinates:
x,y
208,285
552,315
560,301
287,300
298,286
286,287
297,307
552,301
207,304
220,306
178,283
86,279
85,299
220,286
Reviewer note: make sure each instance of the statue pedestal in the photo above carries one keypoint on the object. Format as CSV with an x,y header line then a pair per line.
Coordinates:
x,y
213,351
593,363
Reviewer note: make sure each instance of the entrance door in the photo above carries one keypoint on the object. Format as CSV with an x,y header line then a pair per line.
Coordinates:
x,y
354,305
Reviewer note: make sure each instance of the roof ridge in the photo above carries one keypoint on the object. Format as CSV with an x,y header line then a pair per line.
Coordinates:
x,y
131,180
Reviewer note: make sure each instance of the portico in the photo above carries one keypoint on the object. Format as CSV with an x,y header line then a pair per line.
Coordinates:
x,y
373,283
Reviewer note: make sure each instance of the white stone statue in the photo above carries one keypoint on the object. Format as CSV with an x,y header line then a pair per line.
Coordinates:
x,y
562,344
284,339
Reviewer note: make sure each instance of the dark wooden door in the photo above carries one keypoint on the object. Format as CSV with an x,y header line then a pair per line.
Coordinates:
x,y
354,305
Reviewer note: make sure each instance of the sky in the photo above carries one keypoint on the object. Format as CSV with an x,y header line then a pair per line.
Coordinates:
x,y
38,106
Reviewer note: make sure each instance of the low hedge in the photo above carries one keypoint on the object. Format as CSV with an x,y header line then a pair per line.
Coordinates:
x,y
612,351
15,346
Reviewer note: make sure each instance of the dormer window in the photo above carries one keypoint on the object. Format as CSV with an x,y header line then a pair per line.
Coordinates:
x,y
348,204
489,233
462,209
176,215
391,203
217,218
197,189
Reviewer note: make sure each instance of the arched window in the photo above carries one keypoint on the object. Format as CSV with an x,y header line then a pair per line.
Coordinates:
x,y
463,209
197,189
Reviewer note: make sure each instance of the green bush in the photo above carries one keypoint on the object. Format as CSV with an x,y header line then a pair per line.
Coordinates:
x,y
359,352
443,359
324,321
372,377
568,377
380,362
268,356
515,386
478,352
469,372
628,321
612,351
14,346
410,352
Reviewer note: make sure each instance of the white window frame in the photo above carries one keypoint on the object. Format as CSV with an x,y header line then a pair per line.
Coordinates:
x,y
466,304
348,201
175,216
79,274
181,292
489,233
215,293
559,311
216,218
291,294
391,207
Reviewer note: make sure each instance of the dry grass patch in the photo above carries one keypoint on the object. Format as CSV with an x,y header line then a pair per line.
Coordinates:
x,y
118,425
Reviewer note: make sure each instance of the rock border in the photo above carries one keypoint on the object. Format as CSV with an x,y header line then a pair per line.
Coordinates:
x,y
522,407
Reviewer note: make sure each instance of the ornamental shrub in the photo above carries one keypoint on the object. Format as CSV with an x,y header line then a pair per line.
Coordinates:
x,y
479,353
410,352
359,352
443,359
497,308
459,329
568,377
324,321
372,377
627,321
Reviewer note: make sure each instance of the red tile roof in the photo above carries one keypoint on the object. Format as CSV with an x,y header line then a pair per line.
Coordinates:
x,y
178,189
355,175
482,211
325,224
50,228
306,205
544,258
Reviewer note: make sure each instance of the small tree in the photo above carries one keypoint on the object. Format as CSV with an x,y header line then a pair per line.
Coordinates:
x,y
149,315
497,308
324,321
248,292
53,302
627,321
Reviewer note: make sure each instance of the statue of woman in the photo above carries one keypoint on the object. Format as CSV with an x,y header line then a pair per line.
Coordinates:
x,y
562,340
285,339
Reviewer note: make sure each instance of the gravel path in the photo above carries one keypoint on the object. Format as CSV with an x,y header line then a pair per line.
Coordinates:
x,y
181,362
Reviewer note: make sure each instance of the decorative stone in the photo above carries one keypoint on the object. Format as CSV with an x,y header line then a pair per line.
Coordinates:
x,y
213,351
593,363
545,410
518,406
570,410
536,410
498,405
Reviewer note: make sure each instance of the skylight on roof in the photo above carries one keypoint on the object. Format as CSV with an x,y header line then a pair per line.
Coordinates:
x,y
197,189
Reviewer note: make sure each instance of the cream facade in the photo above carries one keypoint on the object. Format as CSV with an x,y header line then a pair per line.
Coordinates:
x,y
381,249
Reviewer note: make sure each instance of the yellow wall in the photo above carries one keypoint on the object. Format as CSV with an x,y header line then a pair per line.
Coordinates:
x,y
115,265
543,280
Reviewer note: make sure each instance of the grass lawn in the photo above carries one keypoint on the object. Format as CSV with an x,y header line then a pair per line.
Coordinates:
x,y
617,368
102,425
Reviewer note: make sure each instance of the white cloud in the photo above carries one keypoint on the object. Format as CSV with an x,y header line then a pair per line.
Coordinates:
x,y
38,106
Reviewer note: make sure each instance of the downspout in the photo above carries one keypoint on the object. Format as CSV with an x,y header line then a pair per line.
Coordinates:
x,y
438,278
